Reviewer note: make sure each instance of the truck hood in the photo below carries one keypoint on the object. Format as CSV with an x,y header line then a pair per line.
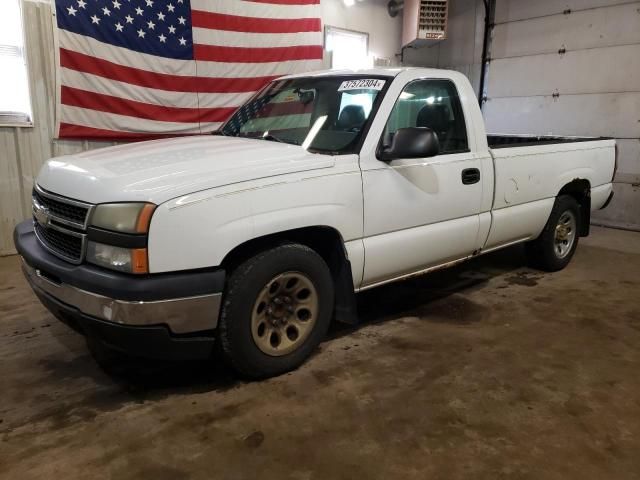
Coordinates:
x,y
159,170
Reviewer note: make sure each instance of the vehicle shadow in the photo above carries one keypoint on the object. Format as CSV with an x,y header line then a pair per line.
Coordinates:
x,y
146,379
413,296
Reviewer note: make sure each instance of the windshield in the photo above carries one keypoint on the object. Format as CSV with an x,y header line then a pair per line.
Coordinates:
x,y
322,114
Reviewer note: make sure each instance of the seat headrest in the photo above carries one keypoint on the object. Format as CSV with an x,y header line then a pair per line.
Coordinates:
x,y
434,116
351,116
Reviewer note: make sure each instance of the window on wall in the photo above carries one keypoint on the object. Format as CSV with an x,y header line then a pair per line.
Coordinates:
x,y
15,106
349,49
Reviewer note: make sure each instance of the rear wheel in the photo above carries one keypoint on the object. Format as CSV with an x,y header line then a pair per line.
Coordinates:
x,y
277,309
555,246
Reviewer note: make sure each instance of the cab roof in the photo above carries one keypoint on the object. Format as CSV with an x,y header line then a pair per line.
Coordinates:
x,y
376,72
385,72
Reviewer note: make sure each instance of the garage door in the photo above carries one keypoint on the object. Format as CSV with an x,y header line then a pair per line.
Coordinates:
x,y
571,68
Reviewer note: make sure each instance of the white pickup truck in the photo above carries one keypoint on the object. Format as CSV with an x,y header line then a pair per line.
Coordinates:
x,y
250,241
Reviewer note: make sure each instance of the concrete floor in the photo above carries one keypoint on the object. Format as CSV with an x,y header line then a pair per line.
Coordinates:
x,y
489,370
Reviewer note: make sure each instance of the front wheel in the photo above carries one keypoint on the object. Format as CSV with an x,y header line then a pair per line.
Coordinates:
x,y
277,309
554,248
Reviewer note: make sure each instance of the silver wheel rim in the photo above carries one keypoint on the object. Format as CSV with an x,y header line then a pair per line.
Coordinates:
x,y
565,234
284,313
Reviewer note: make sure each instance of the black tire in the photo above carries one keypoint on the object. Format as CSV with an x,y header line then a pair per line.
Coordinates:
x,y
235,341
542,252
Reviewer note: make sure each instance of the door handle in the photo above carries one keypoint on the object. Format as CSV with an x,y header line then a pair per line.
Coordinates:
x,y
470,176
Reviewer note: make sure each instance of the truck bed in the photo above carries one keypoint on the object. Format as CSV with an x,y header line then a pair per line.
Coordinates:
x,y
530,174
507,141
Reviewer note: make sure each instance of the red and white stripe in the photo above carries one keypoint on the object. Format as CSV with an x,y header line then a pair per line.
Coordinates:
x,y
239,45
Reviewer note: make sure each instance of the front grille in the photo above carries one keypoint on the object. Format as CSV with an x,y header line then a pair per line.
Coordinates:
x,y
62,244
62,209
60,224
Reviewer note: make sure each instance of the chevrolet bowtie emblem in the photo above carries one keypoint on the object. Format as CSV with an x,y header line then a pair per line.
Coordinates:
x,y
41,214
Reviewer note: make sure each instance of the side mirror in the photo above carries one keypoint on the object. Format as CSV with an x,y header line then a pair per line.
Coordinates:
x,y
412,142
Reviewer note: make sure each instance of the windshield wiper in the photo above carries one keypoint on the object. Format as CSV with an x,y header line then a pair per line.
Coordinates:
x,y
272,138
324,152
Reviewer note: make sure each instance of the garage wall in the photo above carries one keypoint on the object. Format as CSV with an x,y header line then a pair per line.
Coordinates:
x,y
462,50
572,67
563,67
368,16
23,150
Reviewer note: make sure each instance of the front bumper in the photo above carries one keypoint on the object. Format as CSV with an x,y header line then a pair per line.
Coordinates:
x,y
159,316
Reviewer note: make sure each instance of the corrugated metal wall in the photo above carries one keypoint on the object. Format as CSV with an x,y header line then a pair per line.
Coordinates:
x,y
23,150
587,53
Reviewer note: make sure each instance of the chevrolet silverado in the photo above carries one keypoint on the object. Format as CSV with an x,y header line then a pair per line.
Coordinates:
x,y
250,241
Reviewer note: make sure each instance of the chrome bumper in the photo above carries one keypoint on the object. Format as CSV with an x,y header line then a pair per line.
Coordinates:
x,y
181,315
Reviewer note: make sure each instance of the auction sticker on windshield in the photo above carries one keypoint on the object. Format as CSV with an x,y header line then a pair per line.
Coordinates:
x,y
362,83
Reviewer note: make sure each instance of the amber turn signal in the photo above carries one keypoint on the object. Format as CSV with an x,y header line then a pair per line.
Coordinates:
x,y
144,218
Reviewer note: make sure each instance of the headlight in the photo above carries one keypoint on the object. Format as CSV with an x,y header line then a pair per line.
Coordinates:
x,y
123,217
129,260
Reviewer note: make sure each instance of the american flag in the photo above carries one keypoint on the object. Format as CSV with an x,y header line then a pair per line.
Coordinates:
x,y
138,68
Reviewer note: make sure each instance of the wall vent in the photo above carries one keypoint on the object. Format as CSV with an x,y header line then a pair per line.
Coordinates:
x,y
424,21
432,24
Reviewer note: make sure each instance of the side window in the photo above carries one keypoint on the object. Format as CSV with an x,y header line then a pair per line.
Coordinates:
x,y
434,104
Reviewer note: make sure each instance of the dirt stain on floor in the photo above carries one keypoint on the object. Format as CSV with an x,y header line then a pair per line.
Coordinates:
x,y
526,279
254,440
454,309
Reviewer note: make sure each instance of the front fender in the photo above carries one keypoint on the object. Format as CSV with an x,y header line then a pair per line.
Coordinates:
x,y
198,230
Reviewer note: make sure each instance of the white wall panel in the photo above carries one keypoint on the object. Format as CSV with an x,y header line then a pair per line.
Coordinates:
x,y
370,17
597,81
609,69
515,10
597,78
10,185
32,145
608,115
461,25
595,28
462,50
628,160
24,149
623,210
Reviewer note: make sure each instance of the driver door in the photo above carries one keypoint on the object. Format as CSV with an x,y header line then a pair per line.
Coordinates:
x,y
420,213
